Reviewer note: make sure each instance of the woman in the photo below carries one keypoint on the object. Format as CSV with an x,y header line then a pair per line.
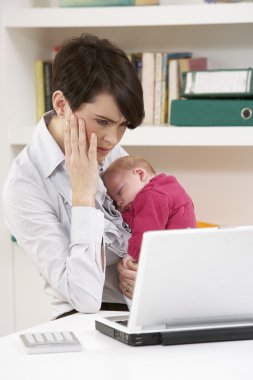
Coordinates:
x,y
55,202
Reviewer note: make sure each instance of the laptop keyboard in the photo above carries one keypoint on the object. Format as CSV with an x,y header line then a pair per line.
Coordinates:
x,y
124,322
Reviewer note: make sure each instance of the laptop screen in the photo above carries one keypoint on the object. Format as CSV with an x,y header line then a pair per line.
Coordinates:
x,y
193,277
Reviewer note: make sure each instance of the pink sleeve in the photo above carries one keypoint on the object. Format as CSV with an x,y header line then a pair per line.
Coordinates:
x,y
183,217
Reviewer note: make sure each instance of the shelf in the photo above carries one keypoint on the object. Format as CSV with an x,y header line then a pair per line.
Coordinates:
x,y
189,14
189,136
165,136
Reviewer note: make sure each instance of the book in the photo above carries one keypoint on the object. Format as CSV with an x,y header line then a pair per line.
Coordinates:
x,y
158,88
162,83
173,91
40,89
173,81
105,3
191,64
136,59
48,85
218,83
95,3
164,90
212,112
179,54
146,2
148,83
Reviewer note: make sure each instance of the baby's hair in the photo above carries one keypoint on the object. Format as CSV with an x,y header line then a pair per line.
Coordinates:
x,y
128,163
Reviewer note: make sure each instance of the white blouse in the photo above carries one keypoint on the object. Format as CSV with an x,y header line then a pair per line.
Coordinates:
x,y
63,241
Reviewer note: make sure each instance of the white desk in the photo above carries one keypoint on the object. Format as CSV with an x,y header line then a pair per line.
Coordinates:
x,y
104,358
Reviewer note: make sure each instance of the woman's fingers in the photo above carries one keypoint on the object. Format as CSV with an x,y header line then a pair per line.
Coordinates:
x,y
74,135
92,153
82,138
75,140
67,139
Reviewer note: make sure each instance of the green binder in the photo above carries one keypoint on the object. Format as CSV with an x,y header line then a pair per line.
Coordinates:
x,y
212,112
224,83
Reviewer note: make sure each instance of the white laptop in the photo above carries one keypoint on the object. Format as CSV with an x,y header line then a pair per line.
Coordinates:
x,y
193,285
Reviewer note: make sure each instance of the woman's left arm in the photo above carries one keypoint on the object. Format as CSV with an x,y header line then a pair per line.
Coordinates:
x,y
127,277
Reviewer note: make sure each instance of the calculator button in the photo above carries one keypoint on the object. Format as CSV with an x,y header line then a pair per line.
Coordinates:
x,y
49,337
68,336
30,339
58,336
39,337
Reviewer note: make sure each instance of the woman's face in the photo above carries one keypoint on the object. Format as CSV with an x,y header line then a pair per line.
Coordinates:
x,y
104,119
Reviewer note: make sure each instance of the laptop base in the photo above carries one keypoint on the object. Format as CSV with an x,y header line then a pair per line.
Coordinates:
x,y
222,334
215,334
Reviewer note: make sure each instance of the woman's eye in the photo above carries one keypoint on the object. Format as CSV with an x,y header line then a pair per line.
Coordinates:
x,y
102,122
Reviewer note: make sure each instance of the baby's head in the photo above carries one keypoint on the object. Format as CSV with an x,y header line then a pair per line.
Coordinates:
x,y
125,177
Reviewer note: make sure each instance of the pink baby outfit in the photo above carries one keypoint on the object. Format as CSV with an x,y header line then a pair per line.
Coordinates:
x,y
162,204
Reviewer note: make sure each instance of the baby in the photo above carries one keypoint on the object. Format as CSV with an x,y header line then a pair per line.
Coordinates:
x,y
146,200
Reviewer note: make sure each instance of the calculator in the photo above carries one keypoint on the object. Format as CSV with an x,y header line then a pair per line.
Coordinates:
x,y
48,342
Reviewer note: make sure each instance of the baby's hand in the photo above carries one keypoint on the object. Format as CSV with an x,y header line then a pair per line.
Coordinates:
x,y
125,259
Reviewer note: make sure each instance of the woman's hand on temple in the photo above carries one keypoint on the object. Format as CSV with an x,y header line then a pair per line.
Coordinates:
x,y
81,162
127,277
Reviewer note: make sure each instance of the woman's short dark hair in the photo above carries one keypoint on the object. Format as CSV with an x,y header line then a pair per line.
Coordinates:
x,y
87,66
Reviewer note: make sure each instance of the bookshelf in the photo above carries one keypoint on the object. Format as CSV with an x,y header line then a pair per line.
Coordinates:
x,y
205,29
214,164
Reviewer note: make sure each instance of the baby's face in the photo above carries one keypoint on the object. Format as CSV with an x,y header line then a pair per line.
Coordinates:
x,y
123,187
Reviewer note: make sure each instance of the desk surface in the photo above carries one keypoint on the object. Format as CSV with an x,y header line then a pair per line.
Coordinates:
x,y
104,358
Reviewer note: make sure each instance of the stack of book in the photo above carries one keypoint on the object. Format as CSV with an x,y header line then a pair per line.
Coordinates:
x,y
161,75
215,98
105,3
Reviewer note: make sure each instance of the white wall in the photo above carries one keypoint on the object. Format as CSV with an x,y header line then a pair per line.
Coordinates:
x,y
6,275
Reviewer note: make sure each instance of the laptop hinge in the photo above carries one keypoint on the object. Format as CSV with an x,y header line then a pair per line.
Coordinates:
x,y
154,327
